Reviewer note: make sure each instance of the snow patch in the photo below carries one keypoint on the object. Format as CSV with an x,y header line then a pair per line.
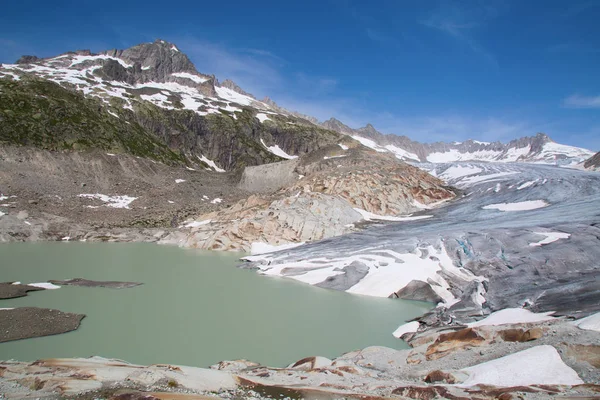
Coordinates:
x,y
369,216
550,237
330,157
179,180
343,146
211,164
262,117
512,316
264,248
369,143
519,206
112,201
44,285
234,96
187,75
401,153
459,171
409,327
216,200
526,185
195,224
278,151
81,59
539,365
591,323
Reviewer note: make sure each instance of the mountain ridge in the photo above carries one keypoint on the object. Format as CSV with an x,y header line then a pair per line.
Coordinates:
x,y
538,148
159,73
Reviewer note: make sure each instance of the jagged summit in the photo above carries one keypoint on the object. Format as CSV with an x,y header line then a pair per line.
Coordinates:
x,y
160,57
337,125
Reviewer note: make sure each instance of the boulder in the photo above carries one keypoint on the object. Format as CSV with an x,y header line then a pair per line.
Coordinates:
x,y
451,342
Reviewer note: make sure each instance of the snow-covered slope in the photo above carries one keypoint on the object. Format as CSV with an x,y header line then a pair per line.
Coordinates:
x,y
156,72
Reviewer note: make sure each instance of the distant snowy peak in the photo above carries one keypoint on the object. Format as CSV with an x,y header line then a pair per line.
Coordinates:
x,y
539,148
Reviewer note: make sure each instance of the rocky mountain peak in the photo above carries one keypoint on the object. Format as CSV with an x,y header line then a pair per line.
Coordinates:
x,y
26,59
162,57
337,126
229,84
369,131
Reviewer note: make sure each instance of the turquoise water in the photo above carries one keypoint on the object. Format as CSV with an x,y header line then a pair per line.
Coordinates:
x,y
194,308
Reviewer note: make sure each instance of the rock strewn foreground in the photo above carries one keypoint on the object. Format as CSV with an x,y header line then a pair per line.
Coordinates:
x,y
453,364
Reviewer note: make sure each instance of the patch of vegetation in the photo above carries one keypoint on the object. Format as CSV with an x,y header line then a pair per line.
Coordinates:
x,y
37,112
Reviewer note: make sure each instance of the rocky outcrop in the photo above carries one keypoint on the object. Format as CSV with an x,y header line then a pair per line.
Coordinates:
x,y
370,181
319,205
593,163
303,218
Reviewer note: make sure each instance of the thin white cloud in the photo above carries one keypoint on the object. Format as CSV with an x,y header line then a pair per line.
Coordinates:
x,y
460,22
578,101
255,71
448,128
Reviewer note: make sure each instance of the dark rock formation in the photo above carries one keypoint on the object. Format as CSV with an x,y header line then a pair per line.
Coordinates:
x,y
30,322
28,59
89,283
10,291
593,162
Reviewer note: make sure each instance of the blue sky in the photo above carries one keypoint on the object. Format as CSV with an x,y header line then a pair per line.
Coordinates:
x,y
432,70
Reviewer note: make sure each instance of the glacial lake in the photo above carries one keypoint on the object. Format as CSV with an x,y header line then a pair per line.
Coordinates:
x,y
194,308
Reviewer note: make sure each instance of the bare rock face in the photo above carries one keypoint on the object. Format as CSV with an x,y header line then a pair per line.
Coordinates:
x,y
593,163
307,217
450,342
157,61
585,353
521,335
372,181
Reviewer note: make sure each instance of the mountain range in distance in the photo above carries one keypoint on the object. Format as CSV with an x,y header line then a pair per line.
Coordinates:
x,y
156,87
